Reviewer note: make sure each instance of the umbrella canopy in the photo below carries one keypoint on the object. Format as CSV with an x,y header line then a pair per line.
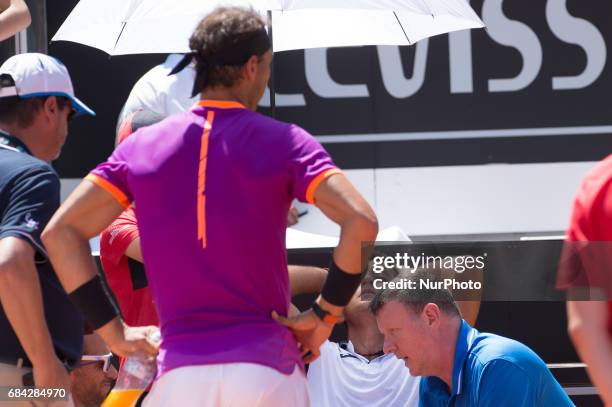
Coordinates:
x,y
120,27
355,27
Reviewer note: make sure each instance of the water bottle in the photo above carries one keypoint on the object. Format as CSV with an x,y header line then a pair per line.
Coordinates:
x,y
135,376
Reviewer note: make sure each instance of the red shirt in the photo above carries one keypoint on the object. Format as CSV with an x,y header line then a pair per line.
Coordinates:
x,y
591,221
136,303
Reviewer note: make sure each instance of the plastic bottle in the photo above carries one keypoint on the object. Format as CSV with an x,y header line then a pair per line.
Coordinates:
x,y
135,376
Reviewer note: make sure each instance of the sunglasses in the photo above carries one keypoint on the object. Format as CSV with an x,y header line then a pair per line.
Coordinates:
x,y
103,360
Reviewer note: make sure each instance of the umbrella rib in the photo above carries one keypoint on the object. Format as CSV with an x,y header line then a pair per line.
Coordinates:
x,y
119,36
429,9
402,27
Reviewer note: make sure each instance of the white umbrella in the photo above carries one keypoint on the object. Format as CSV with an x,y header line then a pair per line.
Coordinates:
x,y
318,28
120,27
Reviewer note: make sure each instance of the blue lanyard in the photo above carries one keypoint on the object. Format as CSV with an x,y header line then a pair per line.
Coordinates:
x,y
10,143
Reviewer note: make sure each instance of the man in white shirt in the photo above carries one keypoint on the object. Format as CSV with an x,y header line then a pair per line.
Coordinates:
x,y
160,93
357,372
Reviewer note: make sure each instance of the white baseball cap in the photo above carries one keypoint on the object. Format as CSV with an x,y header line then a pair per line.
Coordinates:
x,y
36,74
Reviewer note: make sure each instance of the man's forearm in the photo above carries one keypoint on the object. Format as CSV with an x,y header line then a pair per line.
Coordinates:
x,y
21,298
348,254
353,234
588,329
341,202
595,349
14,19
306,279
71,258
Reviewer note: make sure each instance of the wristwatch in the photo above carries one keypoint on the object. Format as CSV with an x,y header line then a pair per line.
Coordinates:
x,y
326,316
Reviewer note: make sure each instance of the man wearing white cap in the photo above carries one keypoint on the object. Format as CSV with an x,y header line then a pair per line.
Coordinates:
x,y
41,332
160,93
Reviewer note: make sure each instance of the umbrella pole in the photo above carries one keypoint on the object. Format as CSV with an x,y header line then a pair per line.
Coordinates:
x,y
272,82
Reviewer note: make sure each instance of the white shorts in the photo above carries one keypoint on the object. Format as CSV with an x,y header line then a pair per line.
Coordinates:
x,y
229,385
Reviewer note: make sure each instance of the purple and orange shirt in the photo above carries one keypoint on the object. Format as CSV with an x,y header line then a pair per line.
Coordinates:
x,y
212,188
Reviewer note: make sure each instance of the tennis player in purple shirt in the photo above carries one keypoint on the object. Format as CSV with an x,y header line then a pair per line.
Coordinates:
x,y
212,187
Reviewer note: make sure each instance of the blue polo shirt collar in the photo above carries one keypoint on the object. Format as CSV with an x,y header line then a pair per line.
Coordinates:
x,y
465,339
12,143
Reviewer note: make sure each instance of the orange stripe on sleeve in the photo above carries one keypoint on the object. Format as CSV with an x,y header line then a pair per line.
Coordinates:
x,y
201,192
110,188
314,184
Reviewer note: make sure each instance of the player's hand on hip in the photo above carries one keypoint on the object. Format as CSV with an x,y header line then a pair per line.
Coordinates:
x,y
309,330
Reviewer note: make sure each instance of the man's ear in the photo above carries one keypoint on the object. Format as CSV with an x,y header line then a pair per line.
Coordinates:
x,y
250,68
50,107
431,313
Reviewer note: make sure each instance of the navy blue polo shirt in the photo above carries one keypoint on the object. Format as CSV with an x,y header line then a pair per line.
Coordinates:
x,y
29,195
490,370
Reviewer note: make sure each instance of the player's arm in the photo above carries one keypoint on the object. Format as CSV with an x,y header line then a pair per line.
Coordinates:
x,y
86,212
342,203
587,326
14,17
306,279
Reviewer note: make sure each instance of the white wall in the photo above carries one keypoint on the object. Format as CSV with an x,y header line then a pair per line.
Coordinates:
x,y
499,198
